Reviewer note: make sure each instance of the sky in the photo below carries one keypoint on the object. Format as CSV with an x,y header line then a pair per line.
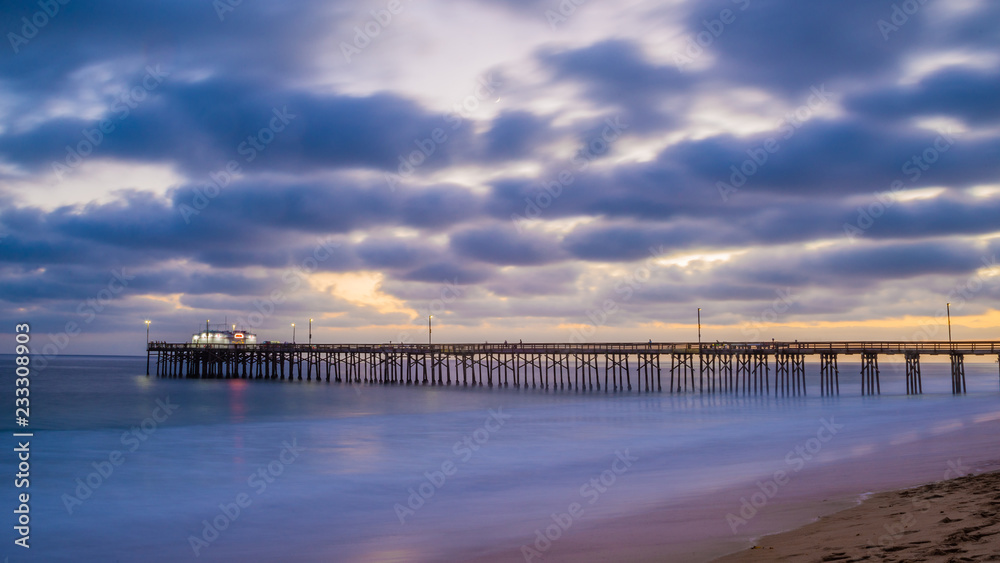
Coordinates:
x,y
575,170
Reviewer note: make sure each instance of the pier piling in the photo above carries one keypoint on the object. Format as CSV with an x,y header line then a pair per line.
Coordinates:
x,y
740,368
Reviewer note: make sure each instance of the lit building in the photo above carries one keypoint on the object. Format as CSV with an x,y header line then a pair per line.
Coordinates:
x,y
224,337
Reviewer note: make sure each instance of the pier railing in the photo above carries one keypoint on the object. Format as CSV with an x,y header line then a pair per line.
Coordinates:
x,y
702,367
974,347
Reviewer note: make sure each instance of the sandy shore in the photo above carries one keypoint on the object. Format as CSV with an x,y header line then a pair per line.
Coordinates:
x,y
954,520
695,529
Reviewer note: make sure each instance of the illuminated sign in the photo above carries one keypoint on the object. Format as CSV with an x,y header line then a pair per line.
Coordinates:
x,y
238,335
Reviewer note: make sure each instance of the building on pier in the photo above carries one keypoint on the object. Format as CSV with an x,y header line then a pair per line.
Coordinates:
x,y
233,336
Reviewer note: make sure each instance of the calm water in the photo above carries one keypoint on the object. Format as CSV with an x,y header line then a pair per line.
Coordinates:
x,y
321,468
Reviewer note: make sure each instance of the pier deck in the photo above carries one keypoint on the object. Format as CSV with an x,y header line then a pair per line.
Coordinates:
x,y
734,367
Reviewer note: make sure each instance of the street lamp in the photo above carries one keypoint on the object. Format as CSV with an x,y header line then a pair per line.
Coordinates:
x,y
949,323
699,329
147,346
293,333
310,332
429,317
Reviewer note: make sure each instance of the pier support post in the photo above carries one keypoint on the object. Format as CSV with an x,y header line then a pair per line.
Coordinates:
x,y
781,382
743,371
870,384
914,383
957,373
829,374
726,372
761,370
682,364
659,386
708,363
799,372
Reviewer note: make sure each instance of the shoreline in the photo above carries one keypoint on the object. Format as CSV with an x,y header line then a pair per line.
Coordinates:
x,y
694,529
954,518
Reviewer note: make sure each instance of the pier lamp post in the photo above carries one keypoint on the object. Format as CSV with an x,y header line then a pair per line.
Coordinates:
x,y
293,333
429,330
699,330
147,346
949,323
310,332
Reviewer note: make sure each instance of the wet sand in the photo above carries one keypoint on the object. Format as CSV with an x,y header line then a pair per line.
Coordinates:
x,y
695,529
954,520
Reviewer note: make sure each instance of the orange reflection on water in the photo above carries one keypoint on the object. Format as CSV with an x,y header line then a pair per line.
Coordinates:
x,y
237,412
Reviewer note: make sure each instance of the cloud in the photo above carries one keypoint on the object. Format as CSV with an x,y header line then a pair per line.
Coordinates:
x,y
785,46
963,93
503,245
616,74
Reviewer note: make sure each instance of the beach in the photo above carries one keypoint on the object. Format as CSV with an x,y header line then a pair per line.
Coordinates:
x,y
710,524
952,520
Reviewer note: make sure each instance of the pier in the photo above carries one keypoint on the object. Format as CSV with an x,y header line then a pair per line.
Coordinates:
x,y
731,367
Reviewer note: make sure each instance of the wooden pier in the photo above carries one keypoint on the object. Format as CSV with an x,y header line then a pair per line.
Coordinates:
x,y
731,367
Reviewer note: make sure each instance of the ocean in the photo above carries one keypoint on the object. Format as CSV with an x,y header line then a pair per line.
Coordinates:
x,y
125,467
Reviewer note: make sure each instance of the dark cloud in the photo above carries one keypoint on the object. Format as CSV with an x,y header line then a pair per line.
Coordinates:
x,y
532,282
503,245
514,134
786,46
394,254
617,75
179,35
203,126
967,94
447,272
